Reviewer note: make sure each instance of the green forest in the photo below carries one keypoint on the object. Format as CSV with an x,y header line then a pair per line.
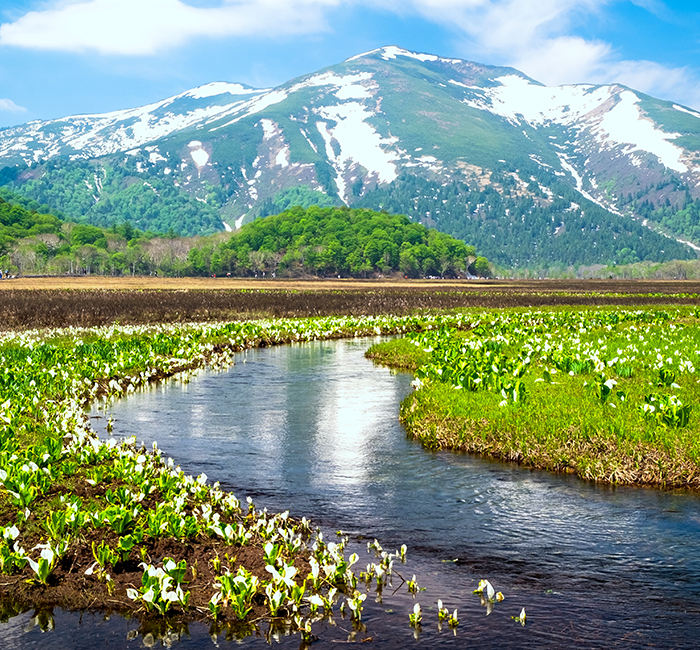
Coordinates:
x,y
326,241
312,241
681,219
32,241
518,230
105,193
521,217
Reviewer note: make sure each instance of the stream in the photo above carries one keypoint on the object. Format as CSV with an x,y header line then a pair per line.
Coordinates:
x,y
313,428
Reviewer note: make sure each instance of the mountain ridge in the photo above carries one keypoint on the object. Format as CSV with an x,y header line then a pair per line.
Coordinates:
x,y
227,153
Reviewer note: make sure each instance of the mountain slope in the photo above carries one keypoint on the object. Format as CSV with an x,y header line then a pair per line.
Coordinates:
x,y
88,136
535,175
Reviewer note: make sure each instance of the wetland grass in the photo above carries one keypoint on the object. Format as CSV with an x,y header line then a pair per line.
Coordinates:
x,y
94,524
107,525
609,395
95,302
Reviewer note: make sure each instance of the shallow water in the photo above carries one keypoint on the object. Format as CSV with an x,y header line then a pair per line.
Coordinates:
x,y
313,428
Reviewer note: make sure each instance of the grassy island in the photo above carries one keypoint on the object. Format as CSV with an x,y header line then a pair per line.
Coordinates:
x,y
608,394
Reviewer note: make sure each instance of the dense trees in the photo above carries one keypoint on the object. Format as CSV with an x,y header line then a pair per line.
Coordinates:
x,y
522,216
101,194
34,242
682,220
315,241
335,241
519,229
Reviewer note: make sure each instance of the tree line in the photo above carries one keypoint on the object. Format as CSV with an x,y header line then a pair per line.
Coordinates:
x,y
325,241
312,241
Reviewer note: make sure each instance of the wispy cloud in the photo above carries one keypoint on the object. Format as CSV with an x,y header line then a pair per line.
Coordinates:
x,y
145,27
536,36
9,106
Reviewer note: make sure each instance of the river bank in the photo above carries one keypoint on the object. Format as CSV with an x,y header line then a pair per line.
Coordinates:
x,y
88,523
610,396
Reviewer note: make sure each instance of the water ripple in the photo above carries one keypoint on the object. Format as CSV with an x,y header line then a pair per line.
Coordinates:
x,y
314,428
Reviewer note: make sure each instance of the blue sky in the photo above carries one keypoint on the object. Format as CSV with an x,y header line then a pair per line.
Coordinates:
x,y
66,57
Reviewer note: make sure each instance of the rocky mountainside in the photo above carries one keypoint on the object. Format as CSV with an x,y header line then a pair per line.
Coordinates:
x,y
529,174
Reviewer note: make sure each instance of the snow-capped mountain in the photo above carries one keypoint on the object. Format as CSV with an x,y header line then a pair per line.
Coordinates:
x,y
88,136
388,128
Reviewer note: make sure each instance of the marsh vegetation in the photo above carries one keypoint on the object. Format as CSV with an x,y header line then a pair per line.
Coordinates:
x,y
609,394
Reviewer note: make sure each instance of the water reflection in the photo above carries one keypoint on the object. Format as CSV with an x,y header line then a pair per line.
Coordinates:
x,y
313,428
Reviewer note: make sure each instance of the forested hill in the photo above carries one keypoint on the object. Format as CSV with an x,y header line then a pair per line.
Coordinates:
x,y
17,222
337,241
312,241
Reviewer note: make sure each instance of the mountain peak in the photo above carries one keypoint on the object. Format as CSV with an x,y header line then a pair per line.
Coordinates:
x,y
390,52
392,128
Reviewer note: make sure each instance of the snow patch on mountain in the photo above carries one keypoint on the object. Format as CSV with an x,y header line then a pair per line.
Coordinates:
x,y
220,88
430,163
577,179
269,129
352,86
277,149
358,143
682,109
306,137
353,91
364,54
391,52
337,164
154,155
517,99
83,136
198,155
625,124
349,87
282,158
256,105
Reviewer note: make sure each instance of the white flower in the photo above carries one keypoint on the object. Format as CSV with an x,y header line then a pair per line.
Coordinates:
x,y
11,533
315,600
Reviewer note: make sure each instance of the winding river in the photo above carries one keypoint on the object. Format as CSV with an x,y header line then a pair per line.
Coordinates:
x,y
313,428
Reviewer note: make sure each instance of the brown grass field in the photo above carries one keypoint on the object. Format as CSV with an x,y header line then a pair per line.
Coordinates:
x,y
125,283
95,300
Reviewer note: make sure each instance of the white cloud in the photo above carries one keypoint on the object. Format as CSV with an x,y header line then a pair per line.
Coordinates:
x,y
535,36
648,76
144,27
10,106
567,59
676,84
